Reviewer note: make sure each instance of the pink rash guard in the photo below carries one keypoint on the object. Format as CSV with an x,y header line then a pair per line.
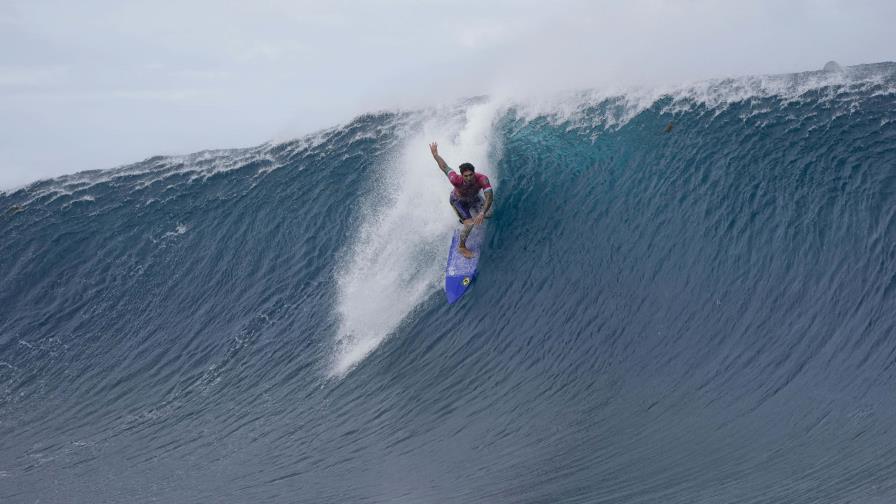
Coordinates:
x,y
469,191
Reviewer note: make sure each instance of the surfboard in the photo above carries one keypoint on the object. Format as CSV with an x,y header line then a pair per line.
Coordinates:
x,y
460,273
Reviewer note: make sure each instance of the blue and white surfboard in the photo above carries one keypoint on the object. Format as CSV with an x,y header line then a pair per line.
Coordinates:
x,y
461,272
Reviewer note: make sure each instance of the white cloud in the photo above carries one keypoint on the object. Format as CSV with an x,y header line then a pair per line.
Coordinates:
x,y
37,76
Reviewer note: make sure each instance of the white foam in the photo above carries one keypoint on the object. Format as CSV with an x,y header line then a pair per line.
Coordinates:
x,y
179,230
619,105
85,198
398,258
200,165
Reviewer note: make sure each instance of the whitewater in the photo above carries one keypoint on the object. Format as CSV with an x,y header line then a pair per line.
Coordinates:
x,y
686,296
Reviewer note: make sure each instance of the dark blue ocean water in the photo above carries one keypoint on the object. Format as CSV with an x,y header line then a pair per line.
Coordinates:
x,y
686,296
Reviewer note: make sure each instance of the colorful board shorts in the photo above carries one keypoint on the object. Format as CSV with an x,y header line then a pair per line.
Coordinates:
x,y
466,208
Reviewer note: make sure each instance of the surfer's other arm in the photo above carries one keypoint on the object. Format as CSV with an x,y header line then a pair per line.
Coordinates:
x,y
434,148
486,209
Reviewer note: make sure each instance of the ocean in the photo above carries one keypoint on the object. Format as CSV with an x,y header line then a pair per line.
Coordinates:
x,y
686,295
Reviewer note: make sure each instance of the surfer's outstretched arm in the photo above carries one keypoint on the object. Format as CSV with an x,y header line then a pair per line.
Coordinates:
x,y
434,148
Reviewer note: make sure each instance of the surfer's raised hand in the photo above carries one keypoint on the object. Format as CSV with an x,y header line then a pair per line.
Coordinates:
x,y
434,148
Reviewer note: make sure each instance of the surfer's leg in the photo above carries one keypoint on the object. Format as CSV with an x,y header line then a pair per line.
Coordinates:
x,y
462,211
474,209
465,216
464,234
462,243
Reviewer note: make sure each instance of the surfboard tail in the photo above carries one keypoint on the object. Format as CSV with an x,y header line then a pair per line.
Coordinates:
x,y
456,286
460,272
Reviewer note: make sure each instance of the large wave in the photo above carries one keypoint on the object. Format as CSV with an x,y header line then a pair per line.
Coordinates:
x,y
686,295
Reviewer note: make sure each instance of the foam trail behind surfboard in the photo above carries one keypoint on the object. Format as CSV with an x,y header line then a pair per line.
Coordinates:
x,y
398,258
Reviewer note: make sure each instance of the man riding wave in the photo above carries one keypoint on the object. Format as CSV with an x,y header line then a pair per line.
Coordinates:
x,y
465,198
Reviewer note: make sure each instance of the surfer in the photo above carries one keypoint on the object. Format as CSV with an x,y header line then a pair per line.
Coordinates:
x,y
465,198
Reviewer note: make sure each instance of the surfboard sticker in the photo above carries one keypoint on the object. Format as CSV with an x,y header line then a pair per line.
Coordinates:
x,y
460,272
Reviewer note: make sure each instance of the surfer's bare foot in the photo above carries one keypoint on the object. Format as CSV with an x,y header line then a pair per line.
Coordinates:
x,y
465,252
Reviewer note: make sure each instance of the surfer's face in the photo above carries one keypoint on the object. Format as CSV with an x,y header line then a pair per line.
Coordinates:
x,y
468,177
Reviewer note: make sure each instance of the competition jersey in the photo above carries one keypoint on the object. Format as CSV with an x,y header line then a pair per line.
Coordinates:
x,y
469,191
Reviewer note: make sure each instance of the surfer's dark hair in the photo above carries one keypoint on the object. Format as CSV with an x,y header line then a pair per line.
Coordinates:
x,y
467,167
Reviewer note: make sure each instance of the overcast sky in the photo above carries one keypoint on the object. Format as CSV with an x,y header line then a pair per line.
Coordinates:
x,y
100,83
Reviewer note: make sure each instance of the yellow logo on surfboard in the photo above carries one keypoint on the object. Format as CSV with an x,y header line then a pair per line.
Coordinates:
x,y
466,281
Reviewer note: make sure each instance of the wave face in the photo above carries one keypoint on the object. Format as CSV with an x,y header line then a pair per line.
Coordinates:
x,y
686,296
